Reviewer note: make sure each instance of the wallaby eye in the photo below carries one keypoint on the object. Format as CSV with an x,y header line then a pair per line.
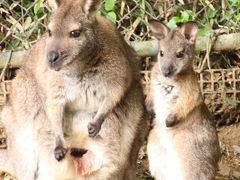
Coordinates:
x,y
49,32
161,53
180,54
75,33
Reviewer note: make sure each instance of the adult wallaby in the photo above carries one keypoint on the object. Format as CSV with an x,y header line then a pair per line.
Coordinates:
x,y
183,143
78,74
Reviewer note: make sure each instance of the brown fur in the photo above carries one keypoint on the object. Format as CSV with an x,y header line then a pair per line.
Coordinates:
x,y
51,103
95,57
183,143
189,92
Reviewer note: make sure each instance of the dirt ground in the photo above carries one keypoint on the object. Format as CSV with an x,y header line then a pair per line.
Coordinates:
x,y
229,166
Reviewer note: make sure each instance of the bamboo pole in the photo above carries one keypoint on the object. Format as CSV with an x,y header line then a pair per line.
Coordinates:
x,y
226,42
15,58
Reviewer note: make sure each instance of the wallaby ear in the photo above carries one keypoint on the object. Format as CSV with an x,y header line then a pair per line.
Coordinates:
x,y
54,4
158,29
189,30
90,6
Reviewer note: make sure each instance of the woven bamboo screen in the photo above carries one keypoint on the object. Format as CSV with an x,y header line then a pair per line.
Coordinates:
x,y
221,91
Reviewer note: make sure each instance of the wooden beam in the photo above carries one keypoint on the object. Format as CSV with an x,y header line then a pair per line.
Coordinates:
x,y
226,42
15,59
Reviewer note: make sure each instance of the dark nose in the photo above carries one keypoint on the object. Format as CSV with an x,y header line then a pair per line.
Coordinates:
x,y
52,56
168,71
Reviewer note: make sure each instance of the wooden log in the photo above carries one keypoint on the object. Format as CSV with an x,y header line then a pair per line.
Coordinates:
x,y
15,59
226,42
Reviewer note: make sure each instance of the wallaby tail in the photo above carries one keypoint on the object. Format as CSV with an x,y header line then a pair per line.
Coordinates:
x,y
5,164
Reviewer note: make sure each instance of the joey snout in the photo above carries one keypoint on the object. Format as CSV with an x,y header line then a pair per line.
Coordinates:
x,y
53,56
168,70
171,120
55,59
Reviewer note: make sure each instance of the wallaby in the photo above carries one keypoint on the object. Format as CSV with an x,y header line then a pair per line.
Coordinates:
x,y
79,74
107,71
183,142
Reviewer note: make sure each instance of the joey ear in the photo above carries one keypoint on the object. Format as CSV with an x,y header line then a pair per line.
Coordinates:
x,y
54,4
189,30
158,29
90,6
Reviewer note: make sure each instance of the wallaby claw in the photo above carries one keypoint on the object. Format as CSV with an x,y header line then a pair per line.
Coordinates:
x,y
59,153
93,129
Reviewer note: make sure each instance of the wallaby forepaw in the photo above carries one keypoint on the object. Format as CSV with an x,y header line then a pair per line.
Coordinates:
x,y
93,129
60,152
171,120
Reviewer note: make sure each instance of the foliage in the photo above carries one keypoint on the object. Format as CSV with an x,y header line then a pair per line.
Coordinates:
x,y
223,148
22,22
109,7
209,18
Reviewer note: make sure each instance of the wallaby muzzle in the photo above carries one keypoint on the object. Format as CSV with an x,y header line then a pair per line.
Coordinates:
x,y
55,60
168,70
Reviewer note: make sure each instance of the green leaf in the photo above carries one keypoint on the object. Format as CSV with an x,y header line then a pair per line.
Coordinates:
x,y
172,23
234,2
37,6
112,16
204,31
98,13
237,17
109,5
184,16
211,13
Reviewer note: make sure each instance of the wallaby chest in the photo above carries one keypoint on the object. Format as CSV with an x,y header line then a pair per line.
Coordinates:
x,y
84,93
165,92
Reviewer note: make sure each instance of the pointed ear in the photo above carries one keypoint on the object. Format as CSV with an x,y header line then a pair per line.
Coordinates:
x,y
158,29
54,4
189,30
90,6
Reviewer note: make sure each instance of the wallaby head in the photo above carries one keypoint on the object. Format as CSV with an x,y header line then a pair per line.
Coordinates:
x,y
71,32
176,47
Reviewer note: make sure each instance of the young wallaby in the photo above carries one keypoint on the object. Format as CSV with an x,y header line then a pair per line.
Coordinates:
x,y
183,143
79,74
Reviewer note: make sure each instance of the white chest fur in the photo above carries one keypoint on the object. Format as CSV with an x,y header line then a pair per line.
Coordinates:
x,y
165,93
84,94
163,159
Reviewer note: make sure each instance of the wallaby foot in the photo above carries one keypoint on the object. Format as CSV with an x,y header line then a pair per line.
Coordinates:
x,y
60,151
93,128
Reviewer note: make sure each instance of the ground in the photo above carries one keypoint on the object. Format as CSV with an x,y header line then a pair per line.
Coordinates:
x,y
229,166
